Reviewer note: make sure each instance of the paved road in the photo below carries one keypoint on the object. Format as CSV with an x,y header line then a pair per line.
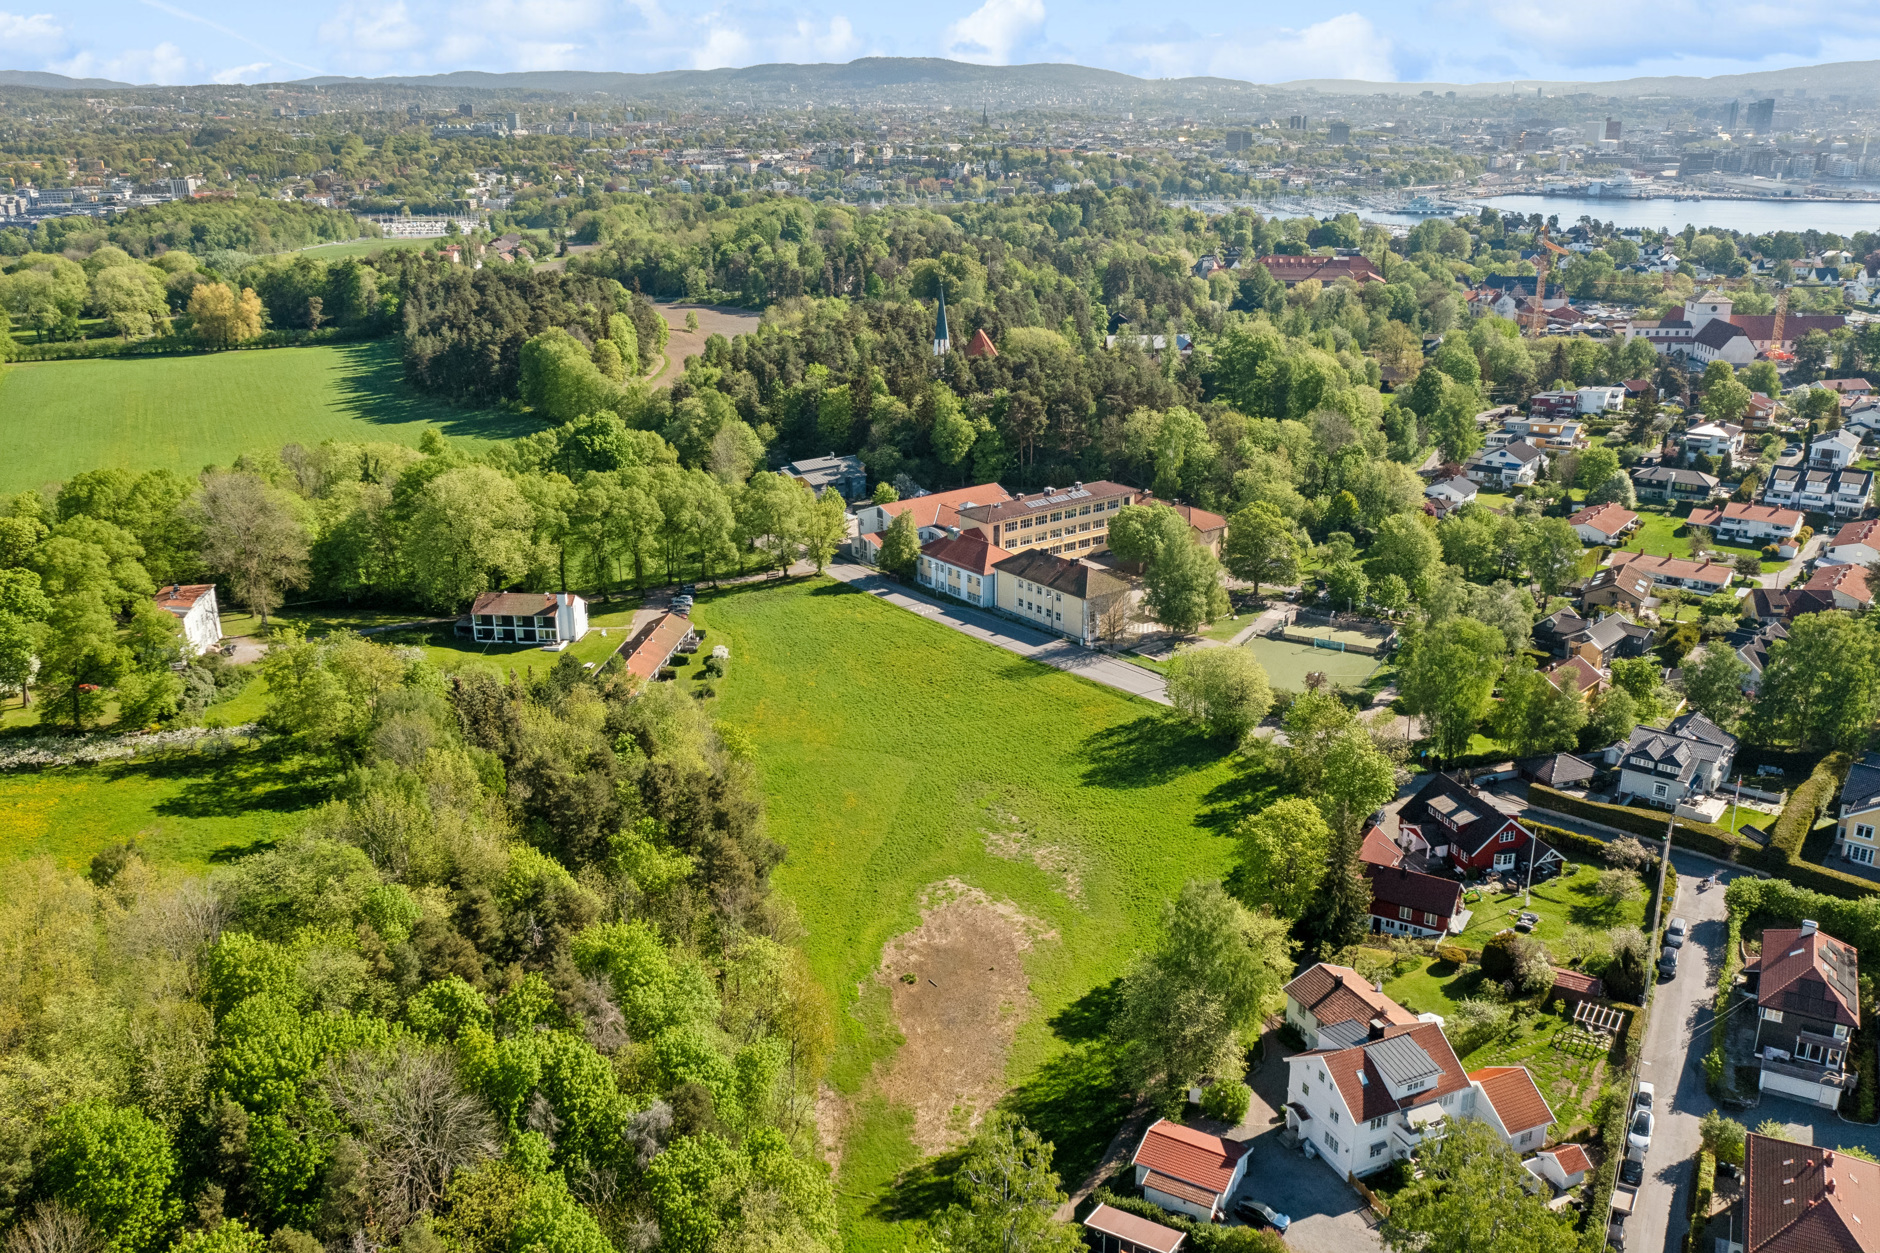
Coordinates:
x,y
1786,575
1050,649
1675,1043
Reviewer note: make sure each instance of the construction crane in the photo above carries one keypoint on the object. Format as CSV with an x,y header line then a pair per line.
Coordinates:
x,y
1782,316
1537,317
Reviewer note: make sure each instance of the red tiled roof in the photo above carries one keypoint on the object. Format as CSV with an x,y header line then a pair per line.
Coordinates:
x,y
1856,533
1369,1097
1609,518
981,345
1577,983
180,598
1137,1231
1181,1189
1847,580
1772,514
1339,994
655,645
1378,849
968,550
1003,506
1517,1101
515,604
1194,1157
1716,572
1800,1198
1704,517
1326,269
942,508
1829,967
1586,676
1572,1158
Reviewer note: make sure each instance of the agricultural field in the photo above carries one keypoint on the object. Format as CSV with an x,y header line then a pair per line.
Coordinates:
x,y
363,247
182,413
976,846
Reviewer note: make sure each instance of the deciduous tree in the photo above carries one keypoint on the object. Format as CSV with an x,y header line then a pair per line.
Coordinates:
x,y
252,536
1223,689
1283,851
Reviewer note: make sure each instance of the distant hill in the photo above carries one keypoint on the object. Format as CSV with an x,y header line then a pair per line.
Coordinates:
x,y
56,82
1048,84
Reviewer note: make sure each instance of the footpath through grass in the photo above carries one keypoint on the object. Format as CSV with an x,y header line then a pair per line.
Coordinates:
x,y
893,751
182,413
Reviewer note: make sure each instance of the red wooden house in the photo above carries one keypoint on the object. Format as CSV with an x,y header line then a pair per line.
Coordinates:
x,y
1456,822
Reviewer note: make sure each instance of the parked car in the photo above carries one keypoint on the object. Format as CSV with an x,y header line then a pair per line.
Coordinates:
x,y
1638,1141
1643,1098
1677,933
1254,1214
1668,963
1632,1172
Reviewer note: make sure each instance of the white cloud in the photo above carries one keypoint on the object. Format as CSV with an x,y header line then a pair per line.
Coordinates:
x,y
1345,46
242,73
164,63
35,32
988,35
836,42
375,28
723,46
1612,36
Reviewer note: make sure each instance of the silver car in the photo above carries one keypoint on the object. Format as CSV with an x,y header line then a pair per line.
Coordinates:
x,y
1638,1141
1677,933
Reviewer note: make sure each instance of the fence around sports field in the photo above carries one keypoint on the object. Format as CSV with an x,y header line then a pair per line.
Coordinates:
x,y
1343,633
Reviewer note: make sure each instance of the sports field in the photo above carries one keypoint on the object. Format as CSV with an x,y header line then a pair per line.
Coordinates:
x,y
60,417
1005,829
1287,663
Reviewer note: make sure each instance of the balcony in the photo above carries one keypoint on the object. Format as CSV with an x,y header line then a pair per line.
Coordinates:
x,y
1807,1072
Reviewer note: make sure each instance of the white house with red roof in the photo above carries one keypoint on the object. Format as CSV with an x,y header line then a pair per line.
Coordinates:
x,y
1855,544
1739,522
195,604
960,563
1375,1101
551,619
1325,997
1847,584
933,513
1603,524
1188,1171
1564,1167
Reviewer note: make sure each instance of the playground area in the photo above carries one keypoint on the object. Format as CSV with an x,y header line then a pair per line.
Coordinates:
x,y
1288,663
1349,635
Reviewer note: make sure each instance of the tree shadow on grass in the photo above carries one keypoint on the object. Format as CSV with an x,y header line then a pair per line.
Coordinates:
x,y
1147,751
1088,1017
921,1191
370,385
267,779
1076,1101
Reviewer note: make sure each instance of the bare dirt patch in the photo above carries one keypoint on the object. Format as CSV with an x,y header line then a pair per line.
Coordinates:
x,y
712,320
1014,841
832,1124
958,991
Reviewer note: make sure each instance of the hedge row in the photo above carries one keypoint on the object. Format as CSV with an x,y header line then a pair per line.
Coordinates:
x,y
1700,1198
1701,837
182,345
1854,920
1784,856
1716,1062
1606,1174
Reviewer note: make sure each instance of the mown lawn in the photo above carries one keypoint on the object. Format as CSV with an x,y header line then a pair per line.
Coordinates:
x,y
1665,535
889,746
182,413
1561,903
190,811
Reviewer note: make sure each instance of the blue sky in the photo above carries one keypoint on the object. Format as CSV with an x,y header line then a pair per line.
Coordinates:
x,y
199,41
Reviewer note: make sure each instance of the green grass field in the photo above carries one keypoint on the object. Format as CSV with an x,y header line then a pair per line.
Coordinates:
x,y
60,417
890,748
1287,663
361,248
1663,535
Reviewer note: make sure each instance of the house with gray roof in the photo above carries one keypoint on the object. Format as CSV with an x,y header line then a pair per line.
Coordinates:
x,y
1689,757
1665,485
1858,813
1511,465
1820,489
845,475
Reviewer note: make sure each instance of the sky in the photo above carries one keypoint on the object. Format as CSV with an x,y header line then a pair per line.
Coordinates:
x,y
1461,41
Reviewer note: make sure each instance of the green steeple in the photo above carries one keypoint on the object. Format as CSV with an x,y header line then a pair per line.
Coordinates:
x,y
942,343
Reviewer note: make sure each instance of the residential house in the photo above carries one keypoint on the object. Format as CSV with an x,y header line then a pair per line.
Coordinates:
x,y
1668,486
1187,1171
1712,439
1807,989
1761,414
1752,649
1688,757
1456,491
1375,1101
1603,524
1639,389
1804,1198
195,604
551,618
1511,465
1324,996
1061,594
1602,399
1584,677
1857,815
1459,823
648,652
934,513
1549,433
1550,409
1702,577
1597,640
1751,525
846,476
1411,903
1566,1166
1559,771
1073,521
1210,529
1785,604
1836,449
1855,544
1293,271
1629,591
1847,584
1819,489
1118,1231
960,564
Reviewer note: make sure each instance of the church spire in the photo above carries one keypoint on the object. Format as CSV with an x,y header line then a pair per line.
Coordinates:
x,y
942,343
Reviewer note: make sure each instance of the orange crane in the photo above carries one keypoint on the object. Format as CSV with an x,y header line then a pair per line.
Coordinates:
x,y
1782,316
1537,319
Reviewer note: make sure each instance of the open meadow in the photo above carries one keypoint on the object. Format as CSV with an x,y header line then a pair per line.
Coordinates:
x,y
976,844
182,413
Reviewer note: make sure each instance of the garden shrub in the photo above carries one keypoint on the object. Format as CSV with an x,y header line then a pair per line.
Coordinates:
x,y
1225,1100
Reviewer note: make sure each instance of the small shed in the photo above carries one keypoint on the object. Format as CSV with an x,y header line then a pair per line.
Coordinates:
x,y
1575,986
1118,1231
1557,770
1564,1165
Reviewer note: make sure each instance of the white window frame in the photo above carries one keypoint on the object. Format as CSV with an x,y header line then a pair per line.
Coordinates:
x,y
1862,831
1504,861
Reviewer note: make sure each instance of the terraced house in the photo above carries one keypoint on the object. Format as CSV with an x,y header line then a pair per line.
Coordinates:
x,y
1073,521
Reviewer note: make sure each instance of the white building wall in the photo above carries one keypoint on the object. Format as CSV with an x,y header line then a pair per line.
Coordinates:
x,y
571,617
202,626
